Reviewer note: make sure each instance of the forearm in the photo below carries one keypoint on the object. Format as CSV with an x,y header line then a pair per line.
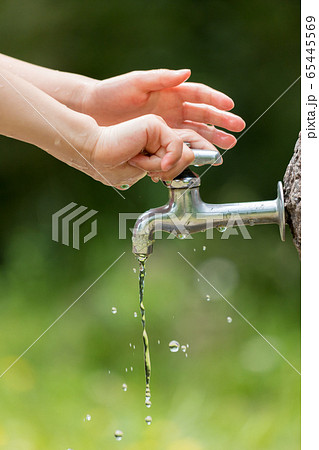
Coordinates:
x,y
66,88
30,115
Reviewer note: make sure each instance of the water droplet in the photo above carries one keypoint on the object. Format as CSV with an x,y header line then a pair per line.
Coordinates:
x,y
221,229
148,402
198,279
114,310
183,347
87,418
118,435
181,236
133,346
125,186
229,319
148,420
131,369
135,314
208,298
186,355
194,249
125,369
134,270
108,371
251,222
204,248
187,345
158,342
174,346
124,387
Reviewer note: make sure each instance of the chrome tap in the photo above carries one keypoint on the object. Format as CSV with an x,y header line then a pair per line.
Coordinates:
x,y
186,213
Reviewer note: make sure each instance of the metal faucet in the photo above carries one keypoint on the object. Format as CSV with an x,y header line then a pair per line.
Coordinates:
x,y
186,213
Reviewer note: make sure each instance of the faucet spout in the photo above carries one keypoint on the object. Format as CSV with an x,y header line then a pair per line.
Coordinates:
x,y
185,213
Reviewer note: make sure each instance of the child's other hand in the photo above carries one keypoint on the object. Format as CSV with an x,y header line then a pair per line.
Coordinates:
x,y
164,93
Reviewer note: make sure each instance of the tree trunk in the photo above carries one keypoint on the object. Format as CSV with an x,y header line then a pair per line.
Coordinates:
x,y
292,195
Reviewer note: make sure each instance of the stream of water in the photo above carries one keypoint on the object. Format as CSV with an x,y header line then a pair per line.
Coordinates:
x,y
147,359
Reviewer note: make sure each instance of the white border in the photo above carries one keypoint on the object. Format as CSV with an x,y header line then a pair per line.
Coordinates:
x,y
310,247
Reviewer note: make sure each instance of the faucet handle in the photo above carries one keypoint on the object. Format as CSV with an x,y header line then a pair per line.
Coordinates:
x,y
189,179
203,157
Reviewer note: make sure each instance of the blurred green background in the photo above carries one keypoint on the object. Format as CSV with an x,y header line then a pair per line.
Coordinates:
x,y
233,391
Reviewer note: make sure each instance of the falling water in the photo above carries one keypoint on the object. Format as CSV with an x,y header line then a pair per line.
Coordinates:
x,y
147,359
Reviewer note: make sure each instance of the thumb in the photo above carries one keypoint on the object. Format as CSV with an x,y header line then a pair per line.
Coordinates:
x,y
154,80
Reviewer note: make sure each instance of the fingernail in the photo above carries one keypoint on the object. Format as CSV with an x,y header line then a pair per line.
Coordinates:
x,y
219,161
228,103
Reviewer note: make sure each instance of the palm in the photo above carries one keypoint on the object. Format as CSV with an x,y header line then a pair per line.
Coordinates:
x,y
164,93
110,107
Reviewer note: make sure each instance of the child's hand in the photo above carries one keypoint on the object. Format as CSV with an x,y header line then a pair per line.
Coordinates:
x,y
126,152
164,93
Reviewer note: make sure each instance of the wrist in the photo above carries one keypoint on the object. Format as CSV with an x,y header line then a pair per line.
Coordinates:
x,y
84,92
81,91
82,134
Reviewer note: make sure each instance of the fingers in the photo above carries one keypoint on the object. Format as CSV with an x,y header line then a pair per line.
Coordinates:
x,y
210,115
153,163
200,93
211,134
149,163
153,166
155,80
186,159
197,141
